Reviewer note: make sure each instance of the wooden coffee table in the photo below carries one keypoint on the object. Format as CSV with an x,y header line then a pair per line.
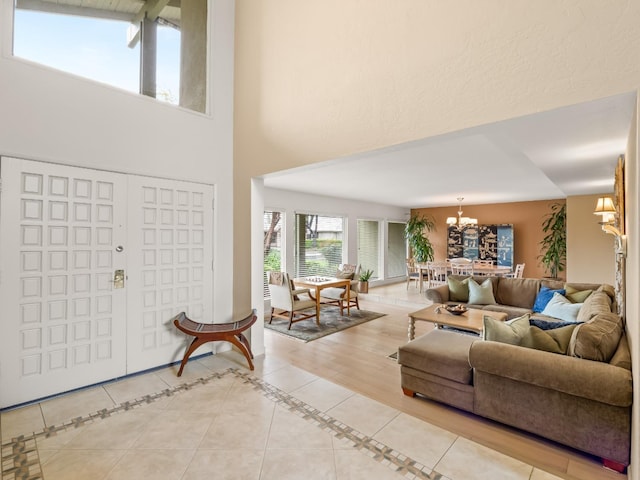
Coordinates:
x,y
471,320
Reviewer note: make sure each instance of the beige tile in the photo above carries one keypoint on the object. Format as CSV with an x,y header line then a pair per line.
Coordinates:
x,y
58,440
297,464
356,465
414,438
206,399
21,421
322,394
152,464
45,454
242,464
365,415
470,461
244,398
192,371
222,361
288,430
177,429
289,378
132,388
61,409
238,430
265,364
80,464
117,432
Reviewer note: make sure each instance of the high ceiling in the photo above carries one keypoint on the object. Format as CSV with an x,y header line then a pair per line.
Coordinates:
x,y
554,154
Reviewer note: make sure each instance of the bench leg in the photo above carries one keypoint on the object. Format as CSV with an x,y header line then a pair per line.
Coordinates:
x,y
243,348
197,341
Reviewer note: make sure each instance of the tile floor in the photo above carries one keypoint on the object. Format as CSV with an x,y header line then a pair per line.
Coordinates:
x,y
221,421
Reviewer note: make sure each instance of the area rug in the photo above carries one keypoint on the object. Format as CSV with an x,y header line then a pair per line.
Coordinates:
x,y
330,322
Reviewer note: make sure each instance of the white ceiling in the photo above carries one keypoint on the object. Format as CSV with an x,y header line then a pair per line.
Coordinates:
x,y
554,154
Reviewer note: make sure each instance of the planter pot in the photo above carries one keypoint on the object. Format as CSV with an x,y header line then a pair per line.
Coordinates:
x,y
363,287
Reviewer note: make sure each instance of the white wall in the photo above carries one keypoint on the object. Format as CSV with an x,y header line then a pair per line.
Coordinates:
x,y
56,117
293,202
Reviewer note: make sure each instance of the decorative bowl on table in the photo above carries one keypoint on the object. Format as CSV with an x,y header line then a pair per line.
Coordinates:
x,y
455,309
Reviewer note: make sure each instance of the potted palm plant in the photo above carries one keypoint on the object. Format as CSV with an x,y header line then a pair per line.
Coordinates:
x,y
363,281
554,244
419,242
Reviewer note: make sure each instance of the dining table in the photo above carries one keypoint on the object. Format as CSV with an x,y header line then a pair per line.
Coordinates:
x,y
317,283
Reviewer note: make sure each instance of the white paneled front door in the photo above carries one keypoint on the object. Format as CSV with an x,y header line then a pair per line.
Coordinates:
x,y
67,236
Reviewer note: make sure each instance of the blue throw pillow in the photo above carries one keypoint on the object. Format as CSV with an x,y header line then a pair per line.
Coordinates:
x,y
544,295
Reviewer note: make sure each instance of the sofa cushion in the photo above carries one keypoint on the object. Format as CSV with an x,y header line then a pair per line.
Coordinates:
x,y
597,302
517,292
440,352
598,338
544,296
520,332
512,312
577,296
481,294
458,289
560,307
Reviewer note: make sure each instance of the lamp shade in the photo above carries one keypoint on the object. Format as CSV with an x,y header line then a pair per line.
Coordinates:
x,y
605,206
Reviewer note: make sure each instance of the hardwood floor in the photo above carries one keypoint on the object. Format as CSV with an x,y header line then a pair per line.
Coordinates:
x,y
357,358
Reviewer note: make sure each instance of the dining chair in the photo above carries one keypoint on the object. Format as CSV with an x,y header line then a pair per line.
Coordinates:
x,y
338,295
437,272
461,268
413,273
288,302
518,272
478,264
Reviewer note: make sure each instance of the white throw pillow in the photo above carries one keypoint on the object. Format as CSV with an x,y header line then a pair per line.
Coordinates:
x,y
481,294
561,307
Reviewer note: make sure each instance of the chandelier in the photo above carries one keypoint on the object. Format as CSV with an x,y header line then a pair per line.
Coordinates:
x,y
461,221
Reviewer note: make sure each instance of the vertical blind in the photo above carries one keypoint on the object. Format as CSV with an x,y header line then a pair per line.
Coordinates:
x,y
318,245
272,245
369,246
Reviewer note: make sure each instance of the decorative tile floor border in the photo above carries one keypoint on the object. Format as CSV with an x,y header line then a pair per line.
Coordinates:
x,y
20,459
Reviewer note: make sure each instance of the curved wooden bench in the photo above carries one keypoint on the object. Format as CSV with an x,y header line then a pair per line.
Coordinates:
x,y
213,332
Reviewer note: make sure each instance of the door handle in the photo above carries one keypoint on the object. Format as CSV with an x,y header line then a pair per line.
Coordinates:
x,y
118,279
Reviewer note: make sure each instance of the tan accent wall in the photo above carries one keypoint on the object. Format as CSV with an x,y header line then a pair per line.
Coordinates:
x,y
590,251
526,218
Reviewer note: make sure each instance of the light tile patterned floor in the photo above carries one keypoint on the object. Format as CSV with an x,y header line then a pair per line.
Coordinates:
x,y
222,422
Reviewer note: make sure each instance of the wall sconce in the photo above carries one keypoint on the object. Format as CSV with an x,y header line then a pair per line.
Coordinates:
x,y
607,210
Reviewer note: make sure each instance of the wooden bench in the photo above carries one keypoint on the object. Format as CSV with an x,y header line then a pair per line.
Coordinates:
x,y
213,332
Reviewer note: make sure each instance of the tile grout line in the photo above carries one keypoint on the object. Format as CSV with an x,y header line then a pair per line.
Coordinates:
x,y
20,458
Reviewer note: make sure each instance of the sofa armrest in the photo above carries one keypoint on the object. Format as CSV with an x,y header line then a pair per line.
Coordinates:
x,y
438,294
596,381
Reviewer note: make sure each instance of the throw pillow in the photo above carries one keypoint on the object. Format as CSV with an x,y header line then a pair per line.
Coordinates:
x,y
509,332
345,275
548,325
458,289
597,302
481,294
544,295
598,338
560,307
519,332
576,296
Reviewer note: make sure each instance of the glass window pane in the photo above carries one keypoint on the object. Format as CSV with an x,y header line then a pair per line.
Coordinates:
x,y
272,246
369,246
397,250
318,249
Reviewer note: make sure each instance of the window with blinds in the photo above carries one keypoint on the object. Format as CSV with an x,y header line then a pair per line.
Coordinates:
x,y
369,246
318,244
396,250
272,246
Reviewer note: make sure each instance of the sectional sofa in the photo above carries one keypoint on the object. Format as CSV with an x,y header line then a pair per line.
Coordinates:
x,y
570,384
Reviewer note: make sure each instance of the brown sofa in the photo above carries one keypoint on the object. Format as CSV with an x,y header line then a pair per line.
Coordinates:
x,y
581,398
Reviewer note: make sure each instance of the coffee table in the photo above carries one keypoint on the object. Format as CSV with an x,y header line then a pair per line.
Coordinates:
x,y
471,320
